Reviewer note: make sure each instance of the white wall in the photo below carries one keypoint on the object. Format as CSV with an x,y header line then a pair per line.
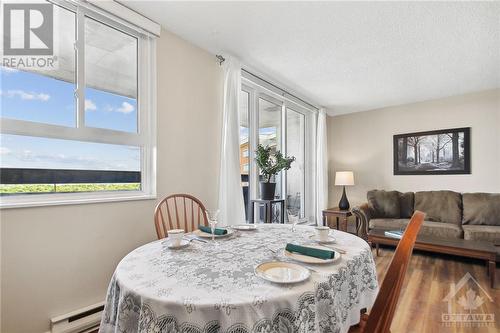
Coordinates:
x,y
362,142
58,259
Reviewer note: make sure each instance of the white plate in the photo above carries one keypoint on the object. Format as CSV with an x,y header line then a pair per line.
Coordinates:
x,y
183,243
315,238
282,272
244,227
202,234
312,260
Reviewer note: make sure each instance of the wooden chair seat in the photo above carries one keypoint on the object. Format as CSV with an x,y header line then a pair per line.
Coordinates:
x,y
380,317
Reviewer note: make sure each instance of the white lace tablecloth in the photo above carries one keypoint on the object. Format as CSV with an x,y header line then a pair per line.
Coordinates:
x,y
204,288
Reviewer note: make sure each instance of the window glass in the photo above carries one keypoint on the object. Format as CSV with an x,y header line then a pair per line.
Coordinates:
x,y
295,177
48,95
53,165
270,131
111,78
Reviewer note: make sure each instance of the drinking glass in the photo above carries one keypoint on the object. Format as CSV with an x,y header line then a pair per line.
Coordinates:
x,y
293,217
212,215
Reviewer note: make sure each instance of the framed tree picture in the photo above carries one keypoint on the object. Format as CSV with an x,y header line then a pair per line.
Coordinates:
x,y
438,152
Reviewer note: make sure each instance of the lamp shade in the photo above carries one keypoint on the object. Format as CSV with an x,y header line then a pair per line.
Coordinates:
x,y
344,178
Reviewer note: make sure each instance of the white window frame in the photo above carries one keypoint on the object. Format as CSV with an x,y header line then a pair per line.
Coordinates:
x,y
145,138
261,89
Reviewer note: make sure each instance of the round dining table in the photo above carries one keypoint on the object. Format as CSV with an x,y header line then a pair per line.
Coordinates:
x,y
213,288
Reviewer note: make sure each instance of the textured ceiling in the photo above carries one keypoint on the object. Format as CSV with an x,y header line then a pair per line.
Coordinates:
x,y
349,56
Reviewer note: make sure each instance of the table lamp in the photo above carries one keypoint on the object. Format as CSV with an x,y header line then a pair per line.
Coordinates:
x,y
344,178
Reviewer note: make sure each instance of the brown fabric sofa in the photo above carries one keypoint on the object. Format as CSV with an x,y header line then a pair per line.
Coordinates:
x,y
471,216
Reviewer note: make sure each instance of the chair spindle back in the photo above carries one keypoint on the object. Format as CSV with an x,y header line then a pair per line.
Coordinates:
x,y
179,211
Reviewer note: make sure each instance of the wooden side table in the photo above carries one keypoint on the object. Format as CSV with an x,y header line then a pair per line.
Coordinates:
x,y
341,216
268,209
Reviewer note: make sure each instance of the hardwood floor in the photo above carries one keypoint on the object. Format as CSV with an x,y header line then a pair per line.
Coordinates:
x,y
427,283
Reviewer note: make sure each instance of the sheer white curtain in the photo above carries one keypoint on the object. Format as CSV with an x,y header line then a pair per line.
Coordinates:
x,y
321,167
232,208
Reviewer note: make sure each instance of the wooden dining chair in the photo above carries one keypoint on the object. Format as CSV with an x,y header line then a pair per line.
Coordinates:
x,y
380,317
179,211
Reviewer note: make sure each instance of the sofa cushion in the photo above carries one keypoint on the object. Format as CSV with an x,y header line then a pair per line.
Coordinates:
x,y
440,206
490,233
481,208
440,230
388,224
383,204
406,204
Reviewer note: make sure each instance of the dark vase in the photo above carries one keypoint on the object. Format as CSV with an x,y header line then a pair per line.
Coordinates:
x,y
267,190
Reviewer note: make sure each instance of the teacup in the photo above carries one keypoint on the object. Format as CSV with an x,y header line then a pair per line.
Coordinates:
x,y
175,236
322,233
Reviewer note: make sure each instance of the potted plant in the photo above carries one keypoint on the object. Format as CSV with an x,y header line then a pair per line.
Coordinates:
x,y
270,162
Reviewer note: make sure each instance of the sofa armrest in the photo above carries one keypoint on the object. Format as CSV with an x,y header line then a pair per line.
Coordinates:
x,y
363,214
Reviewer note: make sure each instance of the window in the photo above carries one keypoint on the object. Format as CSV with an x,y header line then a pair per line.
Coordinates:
x,y
295,176
84,130
287,125
110,54
270,129
45,97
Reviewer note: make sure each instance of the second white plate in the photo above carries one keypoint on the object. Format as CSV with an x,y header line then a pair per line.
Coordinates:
x,y
202,234
244,227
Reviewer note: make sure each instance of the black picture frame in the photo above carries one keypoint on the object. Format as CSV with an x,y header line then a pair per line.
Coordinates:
x,y
445,152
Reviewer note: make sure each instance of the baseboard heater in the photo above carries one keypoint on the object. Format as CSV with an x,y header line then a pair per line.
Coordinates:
x,y
84,320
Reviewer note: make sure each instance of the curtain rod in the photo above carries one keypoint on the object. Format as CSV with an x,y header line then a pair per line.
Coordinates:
x,y
221,59
280,89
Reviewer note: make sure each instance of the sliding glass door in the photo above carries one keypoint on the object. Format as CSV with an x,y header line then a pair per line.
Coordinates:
x,y
271,120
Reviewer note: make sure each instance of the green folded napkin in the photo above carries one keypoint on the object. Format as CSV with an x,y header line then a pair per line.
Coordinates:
x,y
310,251
218,231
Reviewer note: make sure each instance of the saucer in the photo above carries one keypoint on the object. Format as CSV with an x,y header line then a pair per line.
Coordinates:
x,y
315,238
182,244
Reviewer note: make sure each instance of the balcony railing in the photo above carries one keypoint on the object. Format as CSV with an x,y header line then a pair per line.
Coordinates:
x,y
36,181
66,176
